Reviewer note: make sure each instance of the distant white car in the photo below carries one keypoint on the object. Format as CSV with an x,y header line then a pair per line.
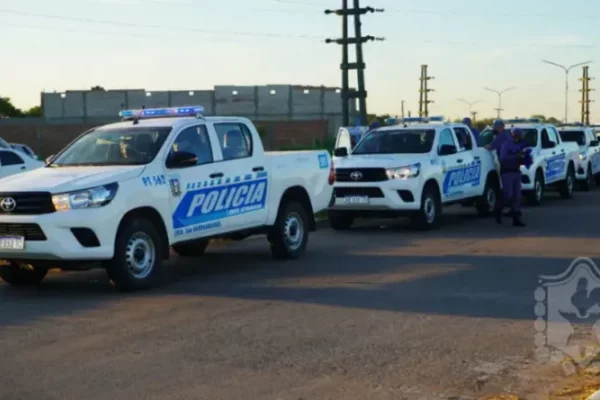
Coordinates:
x,y
23,148
588,166
14,162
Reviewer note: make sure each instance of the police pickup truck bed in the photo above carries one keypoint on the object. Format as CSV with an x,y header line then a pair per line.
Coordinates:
x,y
412,169
123,193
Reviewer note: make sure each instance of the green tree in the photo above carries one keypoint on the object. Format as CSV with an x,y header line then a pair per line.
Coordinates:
x,y
33,112
8,110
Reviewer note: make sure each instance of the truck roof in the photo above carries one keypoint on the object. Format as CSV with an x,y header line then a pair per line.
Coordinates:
x,y
423,126
170,122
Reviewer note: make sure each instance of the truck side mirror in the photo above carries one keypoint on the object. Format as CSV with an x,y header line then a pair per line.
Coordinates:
x,y
594,143
447,150
341,152
50,158
548,145
181,159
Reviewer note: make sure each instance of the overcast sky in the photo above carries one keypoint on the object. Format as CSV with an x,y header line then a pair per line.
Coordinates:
x,y
196,44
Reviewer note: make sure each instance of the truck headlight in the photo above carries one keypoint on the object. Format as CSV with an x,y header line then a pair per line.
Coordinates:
x,y
582,156
408,171
89,198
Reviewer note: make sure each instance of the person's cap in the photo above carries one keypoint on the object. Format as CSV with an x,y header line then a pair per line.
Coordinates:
x,y
467,121
517,132
498,123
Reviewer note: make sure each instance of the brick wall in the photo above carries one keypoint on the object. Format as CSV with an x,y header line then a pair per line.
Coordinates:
x,y
46,139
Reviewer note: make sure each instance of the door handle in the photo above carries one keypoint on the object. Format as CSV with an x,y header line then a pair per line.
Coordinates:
x,y
216,175
562,151
476,157
459,161
553,152
23,167
258,169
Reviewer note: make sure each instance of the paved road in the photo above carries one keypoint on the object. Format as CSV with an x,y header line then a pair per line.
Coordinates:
x,y
376,312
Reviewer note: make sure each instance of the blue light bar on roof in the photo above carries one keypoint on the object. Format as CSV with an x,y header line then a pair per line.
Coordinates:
x,y
391,121
524,121
162,112
422,120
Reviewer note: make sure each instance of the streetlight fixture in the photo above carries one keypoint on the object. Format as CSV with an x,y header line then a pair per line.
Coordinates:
x,y
470,103
567,70
500,93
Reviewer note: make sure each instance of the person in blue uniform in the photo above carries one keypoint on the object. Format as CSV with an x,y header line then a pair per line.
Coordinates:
x,y
467,121
513,154
500,136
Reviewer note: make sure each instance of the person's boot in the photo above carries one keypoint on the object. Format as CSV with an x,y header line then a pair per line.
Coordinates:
x,y
508,214
498,215
517,220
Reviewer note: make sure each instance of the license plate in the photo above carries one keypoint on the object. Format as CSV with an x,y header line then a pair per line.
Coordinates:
x,y
12,242
356,200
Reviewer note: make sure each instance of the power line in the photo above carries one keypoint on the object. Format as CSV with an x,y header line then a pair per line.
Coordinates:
x,y
149,26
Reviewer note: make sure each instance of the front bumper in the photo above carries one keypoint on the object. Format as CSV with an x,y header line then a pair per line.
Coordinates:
x,y
56,236
527,178
581,170
392,195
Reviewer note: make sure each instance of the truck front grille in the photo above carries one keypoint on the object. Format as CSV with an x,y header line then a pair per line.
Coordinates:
x,y
360,175
31,232
372,192
26,203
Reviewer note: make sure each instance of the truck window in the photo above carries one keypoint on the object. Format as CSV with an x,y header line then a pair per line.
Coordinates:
x,y
546,138
553,135
194,140
464,138
446,139
401,141
235,140
573,136
10,158
122,146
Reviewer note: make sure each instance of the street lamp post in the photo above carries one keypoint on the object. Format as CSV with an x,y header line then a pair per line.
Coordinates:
x,y
470,103
499,93
567,70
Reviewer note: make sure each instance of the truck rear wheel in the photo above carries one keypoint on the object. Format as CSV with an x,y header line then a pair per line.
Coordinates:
x,y
197,248
567,186
339,220
289,236
138,256
428,217
17,275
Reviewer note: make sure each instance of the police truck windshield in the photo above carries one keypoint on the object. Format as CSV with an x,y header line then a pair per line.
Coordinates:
x,y
405,141
529,135
129,146
573,136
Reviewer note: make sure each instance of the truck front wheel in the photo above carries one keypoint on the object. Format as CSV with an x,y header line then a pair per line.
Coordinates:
x,y
339,220
428,217
191,249
567,186
289,236
138,256
17,275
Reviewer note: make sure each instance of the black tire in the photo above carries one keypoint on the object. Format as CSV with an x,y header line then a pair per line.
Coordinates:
x,y
597,179
568,185
587,185
339,220
136,237
197,248
486,203
289,236
16,275
534,197
428,217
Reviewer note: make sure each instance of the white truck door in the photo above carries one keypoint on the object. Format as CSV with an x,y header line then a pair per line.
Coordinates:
x,y
594,151
11,162
471,168
447,151
245,173
195,190
554,159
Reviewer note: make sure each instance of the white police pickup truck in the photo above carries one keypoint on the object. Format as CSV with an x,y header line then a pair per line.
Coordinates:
x,y
587,171
412,169
554,161
121,194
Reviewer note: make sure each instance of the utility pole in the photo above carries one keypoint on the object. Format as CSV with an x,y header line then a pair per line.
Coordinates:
x,y
567,70
359,65
424,92
499,93
470,104
585,96
402,108
474,116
